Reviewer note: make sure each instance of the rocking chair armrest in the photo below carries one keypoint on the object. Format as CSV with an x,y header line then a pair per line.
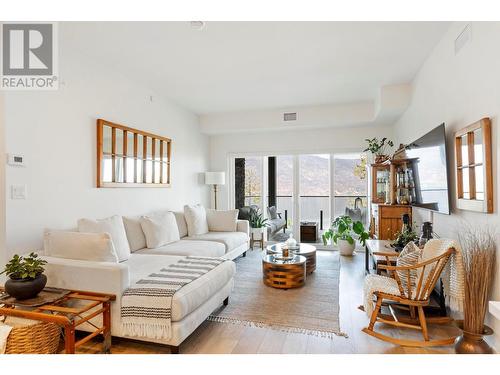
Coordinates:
x,y
391,255
418,265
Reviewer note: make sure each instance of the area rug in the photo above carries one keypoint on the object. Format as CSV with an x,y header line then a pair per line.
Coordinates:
x,y
312,309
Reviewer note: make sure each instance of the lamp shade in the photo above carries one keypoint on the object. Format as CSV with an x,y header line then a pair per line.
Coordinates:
x,y
215,178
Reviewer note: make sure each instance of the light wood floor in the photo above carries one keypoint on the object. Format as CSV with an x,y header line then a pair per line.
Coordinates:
x,y
221,338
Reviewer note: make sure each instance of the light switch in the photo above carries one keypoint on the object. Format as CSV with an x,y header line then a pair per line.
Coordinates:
x,y
18,191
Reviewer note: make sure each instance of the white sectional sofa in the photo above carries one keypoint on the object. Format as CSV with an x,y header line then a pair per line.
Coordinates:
x,y
191,305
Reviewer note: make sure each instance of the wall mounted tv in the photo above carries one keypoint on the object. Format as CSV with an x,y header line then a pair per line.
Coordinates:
x,y
430,171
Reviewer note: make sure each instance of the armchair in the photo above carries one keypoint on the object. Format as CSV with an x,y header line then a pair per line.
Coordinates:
x,y
412,295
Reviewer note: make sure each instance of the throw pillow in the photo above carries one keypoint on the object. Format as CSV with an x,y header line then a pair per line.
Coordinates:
x,y
160,229
222,221
97,247
273,215
409,256
181,224
135,235
112,225
196,219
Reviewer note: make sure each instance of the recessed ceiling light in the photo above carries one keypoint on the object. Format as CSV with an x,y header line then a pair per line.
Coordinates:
x,y
197,25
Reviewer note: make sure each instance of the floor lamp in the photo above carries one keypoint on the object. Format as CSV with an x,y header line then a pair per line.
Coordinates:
x,y
214,179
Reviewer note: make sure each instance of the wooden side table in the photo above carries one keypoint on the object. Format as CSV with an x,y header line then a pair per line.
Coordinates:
x,y
380,251
260,242
58,310
309,231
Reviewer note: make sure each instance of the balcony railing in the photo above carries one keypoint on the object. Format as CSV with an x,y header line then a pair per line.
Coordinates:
x,y
314,208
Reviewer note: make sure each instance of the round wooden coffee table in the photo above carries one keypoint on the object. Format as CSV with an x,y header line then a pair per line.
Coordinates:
x,y
306,250
284,274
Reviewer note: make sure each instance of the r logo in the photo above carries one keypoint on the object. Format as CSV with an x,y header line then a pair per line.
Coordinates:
x,y
27,49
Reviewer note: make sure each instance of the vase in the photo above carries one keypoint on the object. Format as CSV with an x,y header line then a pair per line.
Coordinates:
x,y
380,158
258,233
345,248
473,343
291,242
25,289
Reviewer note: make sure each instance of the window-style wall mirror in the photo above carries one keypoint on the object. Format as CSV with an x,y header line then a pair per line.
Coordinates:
x,y
473,167
129,157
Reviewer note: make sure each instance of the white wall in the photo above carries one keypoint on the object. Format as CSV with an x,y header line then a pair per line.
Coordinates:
x,y
288,141
3,252
459,90
56,132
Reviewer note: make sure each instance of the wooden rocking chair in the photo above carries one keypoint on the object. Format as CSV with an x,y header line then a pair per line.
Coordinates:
x,y
415,298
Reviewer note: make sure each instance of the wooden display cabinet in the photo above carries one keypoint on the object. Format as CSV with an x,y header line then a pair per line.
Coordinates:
x,y
380,175
386,214
387,220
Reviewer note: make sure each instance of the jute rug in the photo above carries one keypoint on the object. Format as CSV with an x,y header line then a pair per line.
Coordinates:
x,y
312,309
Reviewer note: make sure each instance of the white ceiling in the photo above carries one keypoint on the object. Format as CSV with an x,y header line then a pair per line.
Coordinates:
x,y
234,66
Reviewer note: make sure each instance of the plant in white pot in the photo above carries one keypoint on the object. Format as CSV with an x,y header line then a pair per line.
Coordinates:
x,y
344,232
258,225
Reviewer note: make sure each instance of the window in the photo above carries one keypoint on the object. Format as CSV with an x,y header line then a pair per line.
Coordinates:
x,y
473,167
347,187
129,157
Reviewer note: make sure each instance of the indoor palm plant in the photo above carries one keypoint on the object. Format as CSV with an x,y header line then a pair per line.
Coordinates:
x,y
478,253
344,232
26,278
258,224
379,148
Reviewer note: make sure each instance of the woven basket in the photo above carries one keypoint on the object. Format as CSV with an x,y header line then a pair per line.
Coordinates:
x,y
38,338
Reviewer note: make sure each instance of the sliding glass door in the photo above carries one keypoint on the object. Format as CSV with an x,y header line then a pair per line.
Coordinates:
x,y
349,188
301,193
314,190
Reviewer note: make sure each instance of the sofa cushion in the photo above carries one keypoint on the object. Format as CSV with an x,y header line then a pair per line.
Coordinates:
x,y
188,247
135,235
222,221
181,224
97,247
196,219
273,215
160,229
112,225
191,296
231,240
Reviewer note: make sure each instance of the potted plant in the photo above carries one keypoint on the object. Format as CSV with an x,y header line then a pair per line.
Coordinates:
x,y
404,237
379,148
478,253
258,224
26,278
344,232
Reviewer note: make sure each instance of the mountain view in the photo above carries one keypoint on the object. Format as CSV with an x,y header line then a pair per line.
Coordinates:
x,y
314,176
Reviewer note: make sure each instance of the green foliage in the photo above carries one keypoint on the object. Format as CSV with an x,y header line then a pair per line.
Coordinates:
x,y
343,228
24,268
404,237
377,147
257,220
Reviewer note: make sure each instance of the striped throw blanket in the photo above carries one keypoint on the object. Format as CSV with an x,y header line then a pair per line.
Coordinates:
x,y
147,305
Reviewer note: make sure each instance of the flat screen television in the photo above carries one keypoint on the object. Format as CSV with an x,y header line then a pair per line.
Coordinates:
x,y
430,171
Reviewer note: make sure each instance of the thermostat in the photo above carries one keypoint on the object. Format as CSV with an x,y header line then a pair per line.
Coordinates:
x,y
16,160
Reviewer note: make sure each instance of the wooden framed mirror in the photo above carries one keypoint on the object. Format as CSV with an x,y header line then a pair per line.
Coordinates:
x,y
473,167
128,157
